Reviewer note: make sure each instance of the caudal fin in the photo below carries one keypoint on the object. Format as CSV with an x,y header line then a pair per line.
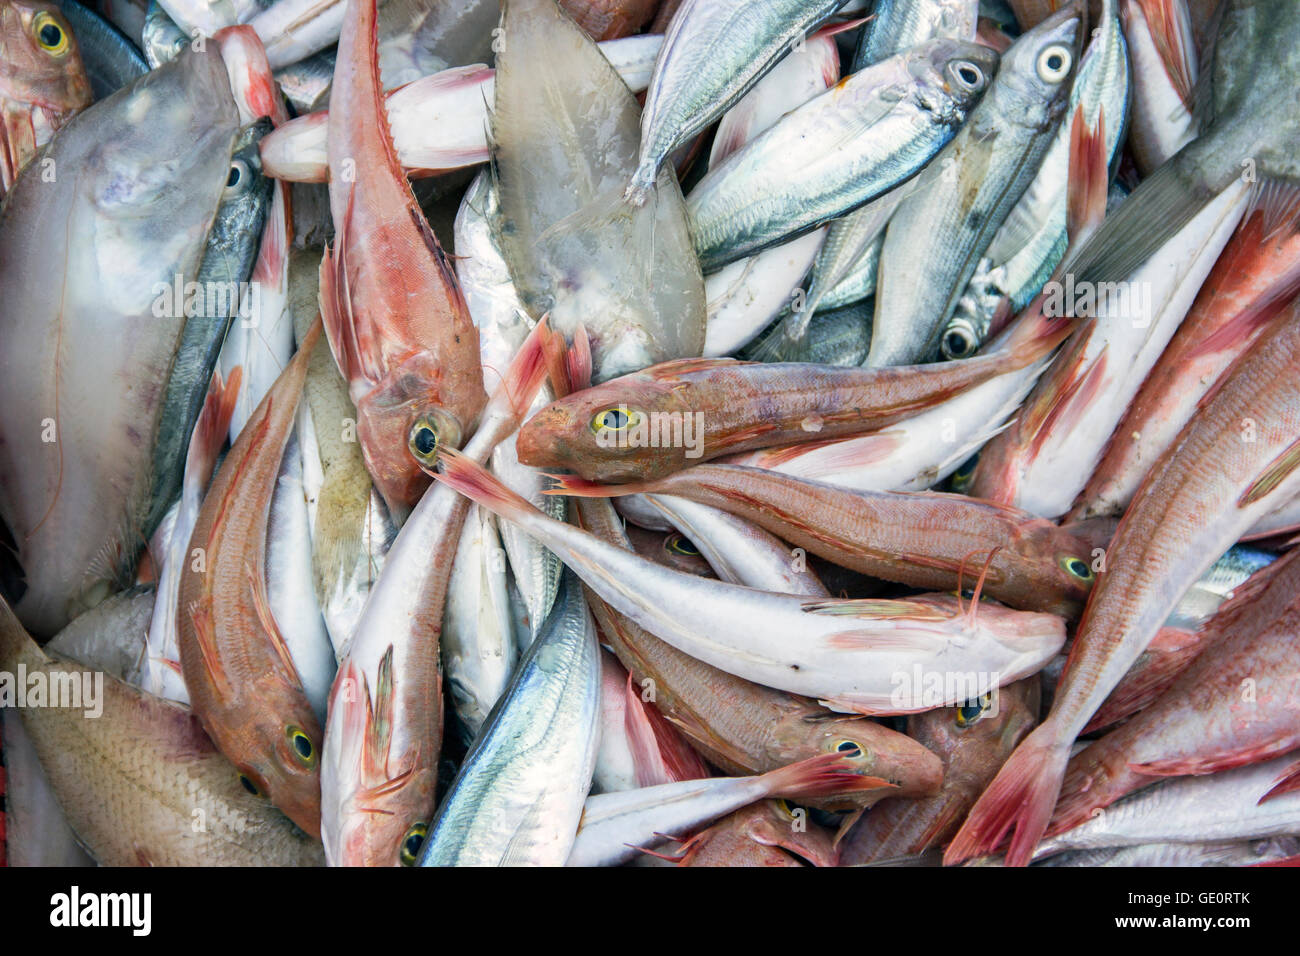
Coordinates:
x,y
525,374
1022,795
822,776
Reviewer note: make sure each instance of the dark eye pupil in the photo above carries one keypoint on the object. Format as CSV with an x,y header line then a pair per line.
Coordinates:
x,y
683,546
302,745
615,419
968,75
425,441
969,712
957,344
1054,62
233,178
248,785
848,747
51,35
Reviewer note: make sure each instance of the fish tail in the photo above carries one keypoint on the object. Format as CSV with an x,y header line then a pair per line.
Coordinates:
x,y
1094,779
643,184
568,367
472,480
1022,795
659,753
821,776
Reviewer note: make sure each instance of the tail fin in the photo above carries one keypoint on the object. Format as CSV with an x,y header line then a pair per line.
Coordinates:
x,y
660,753
822,776
474,482
1021,795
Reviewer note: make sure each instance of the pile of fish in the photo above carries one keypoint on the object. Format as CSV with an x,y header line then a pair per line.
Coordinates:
x,y
624,432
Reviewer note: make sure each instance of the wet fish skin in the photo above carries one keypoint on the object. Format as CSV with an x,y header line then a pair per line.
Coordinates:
x,y
1166,71
395,316
973,740
243,683
43,82
782,640
1033,240
519,794
1204,722
78,517
714,51
610,19
967,192
866,136
736,406
564,140
384,732
1180,518
162,39
1023,561
478,650
760,835
1248,853
228,258
154,767
742,727
897,25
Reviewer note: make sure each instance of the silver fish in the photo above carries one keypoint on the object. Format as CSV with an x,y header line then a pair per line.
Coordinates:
x,y
84,352
897,25
519,794
938,233
227,264
1033,240
714,51
111,60
478,642
855,142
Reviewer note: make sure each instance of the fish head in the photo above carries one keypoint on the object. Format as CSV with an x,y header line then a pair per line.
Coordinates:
x,y
672,550
866,747
975,738
766,833
402,424
1040,64
161,39
1068,565
633,428
43,81
286,741
961,70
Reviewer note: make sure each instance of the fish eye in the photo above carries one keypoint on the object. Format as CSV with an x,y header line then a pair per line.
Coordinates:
x,y
959,343
785,807
51,37
247,782
302,746
423,441
968,75
848,748
679,545
412,841
237,176
1054,63
972,710
1077,568
965,472
180,43
616,419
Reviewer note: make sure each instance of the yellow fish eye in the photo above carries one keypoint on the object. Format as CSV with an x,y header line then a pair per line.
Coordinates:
x,y
50,37
1077,568
679,545
972,710
961,478
785,807
302,746
848,748
412,841
617,419
423,441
